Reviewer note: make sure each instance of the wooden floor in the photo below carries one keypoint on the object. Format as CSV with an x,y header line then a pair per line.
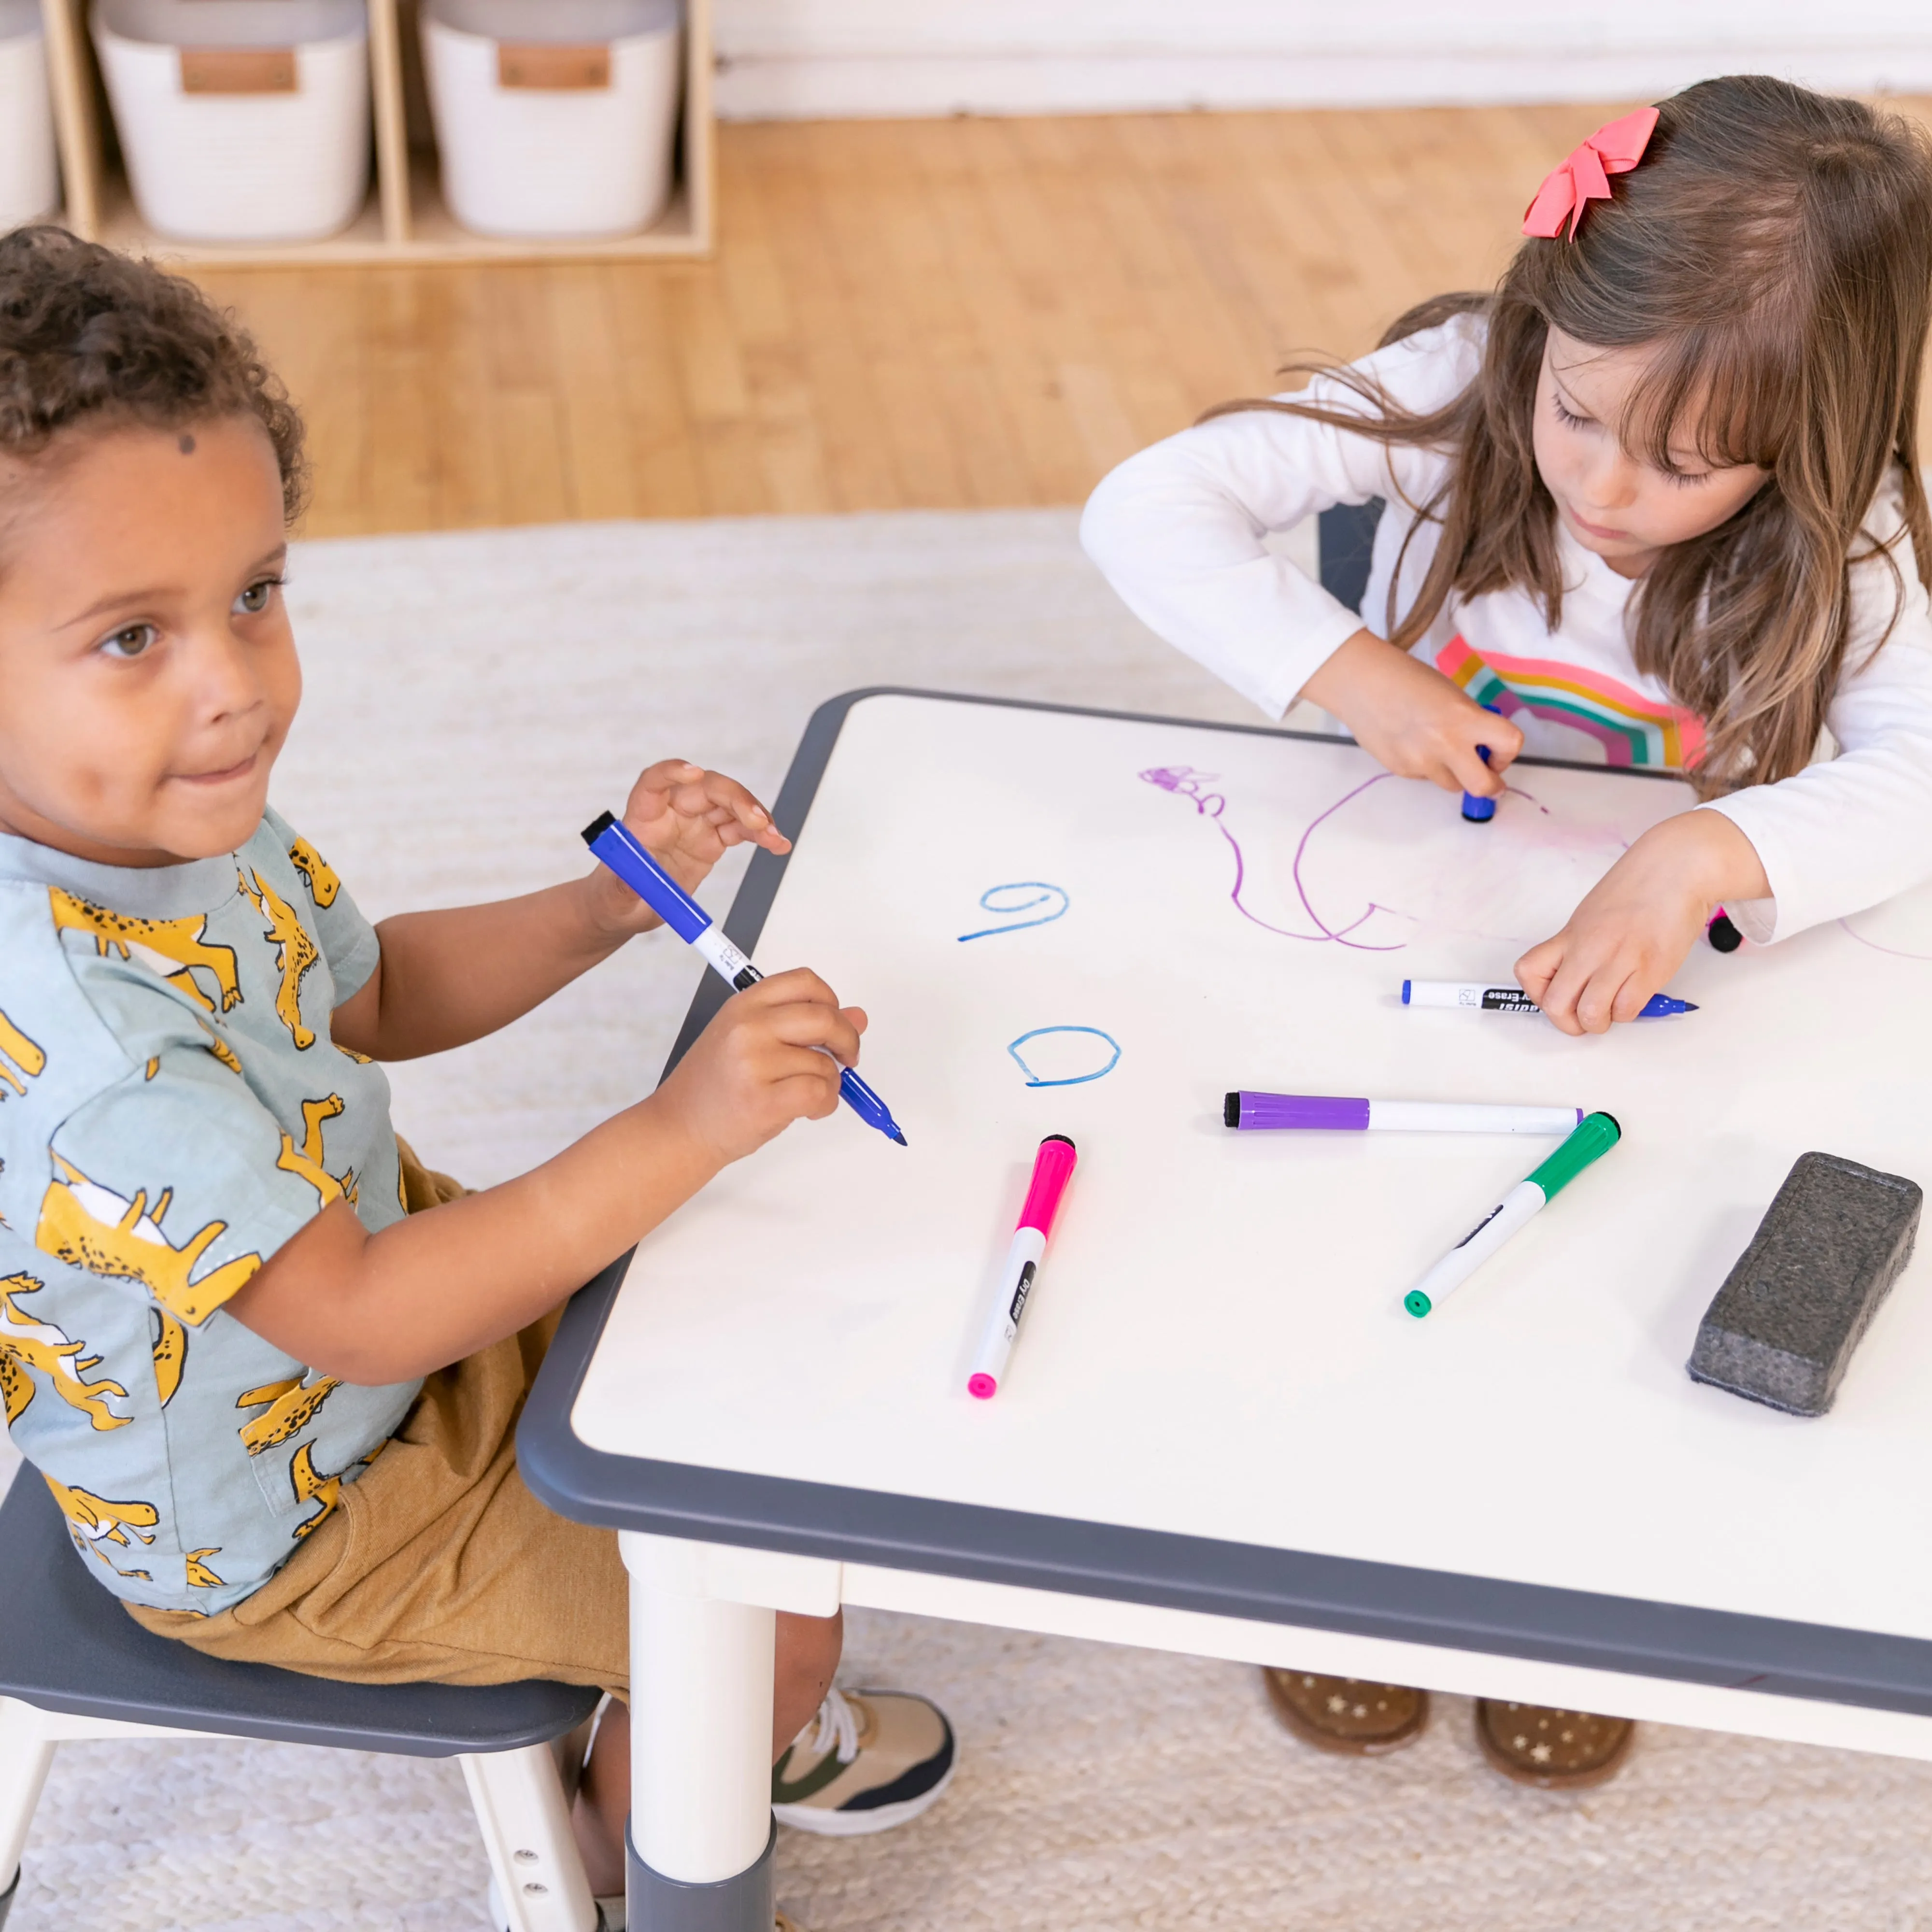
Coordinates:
x,y
931,313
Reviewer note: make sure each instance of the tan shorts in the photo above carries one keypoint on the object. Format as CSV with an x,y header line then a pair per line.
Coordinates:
x,y
439,1566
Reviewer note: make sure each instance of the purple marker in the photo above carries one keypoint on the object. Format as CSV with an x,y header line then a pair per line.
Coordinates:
x,y
1322,1114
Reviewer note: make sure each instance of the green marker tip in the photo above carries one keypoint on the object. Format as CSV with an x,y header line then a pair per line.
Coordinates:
x,y
1417,1303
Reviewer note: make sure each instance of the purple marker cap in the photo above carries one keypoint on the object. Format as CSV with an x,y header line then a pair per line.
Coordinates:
x,y
1306,1110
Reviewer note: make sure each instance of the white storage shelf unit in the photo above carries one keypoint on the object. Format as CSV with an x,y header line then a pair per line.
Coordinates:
x,y
405,219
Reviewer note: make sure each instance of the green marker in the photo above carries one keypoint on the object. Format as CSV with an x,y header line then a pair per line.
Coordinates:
x,y
1594,1135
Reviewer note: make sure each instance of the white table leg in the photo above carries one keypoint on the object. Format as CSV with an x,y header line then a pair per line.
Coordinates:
x,y
701,1830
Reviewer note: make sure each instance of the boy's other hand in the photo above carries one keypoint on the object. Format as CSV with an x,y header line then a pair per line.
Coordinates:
x,y
1635,926
757,1067
1409,717
687,818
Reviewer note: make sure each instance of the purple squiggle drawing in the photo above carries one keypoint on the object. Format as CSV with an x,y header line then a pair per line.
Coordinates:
x,y
1185,782
1893,952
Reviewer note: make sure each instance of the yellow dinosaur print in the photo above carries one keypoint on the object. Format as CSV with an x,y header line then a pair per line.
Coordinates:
x,y
173,947
17,1387
198,1573
310,1487
306,1160
170,1354
223,1052
317,874
92,1228
27,1344
98,1521
295,953
350,1053
25,1055
292,1406
153,1067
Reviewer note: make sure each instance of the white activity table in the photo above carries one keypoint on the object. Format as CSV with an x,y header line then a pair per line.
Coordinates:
x,y
1220,1433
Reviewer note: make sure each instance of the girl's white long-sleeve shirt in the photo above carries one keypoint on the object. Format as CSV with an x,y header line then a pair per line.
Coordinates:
x,y
1179,531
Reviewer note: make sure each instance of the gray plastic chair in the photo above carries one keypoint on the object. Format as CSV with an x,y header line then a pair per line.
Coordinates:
x,y
75,1666
1345,540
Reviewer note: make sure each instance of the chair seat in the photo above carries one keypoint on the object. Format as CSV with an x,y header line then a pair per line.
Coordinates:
x,y
70,1647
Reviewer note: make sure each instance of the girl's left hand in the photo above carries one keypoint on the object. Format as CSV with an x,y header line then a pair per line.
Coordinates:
x,y
687,818
1637,923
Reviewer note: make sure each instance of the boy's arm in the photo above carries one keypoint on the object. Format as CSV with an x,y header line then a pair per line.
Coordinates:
x,y
446,978
374,1308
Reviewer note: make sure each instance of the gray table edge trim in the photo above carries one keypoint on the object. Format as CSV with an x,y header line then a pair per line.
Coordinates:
x,y
1440,1609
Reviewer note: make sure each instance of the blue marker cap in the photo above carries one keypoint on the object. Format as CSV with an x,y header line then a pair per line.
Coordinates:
x,y
1405,984
617,846
1480,810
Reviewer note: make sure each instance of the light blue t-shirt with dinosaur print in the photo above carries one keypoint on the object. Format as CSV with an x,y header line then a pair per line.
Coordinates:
x,y
171,1110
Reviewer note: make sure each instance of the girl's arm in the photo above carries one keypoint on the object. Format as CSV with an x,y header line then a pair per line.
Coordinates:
x,y
1842,834
446,978
1178,530
374,1308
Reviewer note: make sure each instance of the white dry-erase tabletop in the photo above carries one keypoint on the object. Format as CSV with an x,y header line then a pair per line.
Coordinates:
x,y
1216,1346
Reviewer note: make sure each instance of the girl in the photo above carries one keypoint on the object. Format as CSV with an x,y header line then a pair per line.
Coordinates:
x,y
1657,499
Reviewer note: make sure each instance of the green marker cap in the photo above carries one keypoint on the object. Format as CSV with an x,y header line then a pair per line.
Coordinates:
x,y
1592,1137
1417,1303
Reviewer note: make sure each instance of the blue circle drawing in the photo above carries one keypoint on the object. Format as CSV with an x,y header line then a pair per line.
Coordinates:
x,y
1043,895
1074,1080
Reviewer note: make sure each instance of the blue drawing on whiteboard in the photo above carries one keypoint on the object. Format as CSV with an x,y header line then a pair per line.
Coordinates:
x,y
1001,902
1035,1078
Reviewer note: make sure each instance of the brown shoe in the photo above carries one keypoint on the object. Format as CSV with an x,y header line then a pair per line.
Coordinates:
x,y
1343,1714
1557,1750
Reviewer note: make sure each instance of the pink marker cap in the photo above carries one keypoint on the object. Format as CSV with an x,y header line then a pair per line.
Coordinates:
x,y
1052,1168
983,1386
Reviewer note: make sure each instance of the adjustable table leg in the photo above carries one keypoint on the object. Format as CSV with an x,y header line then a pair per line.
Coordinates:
x,y
701,1831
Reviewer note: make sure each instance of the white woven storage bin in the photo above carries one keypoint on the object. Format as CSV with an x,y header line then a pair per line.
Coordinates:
x,y
29,178
241,120
554,117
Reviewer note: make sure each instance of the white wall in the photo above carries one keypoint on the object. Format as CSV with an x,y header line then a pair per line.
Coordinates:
x,y
801,58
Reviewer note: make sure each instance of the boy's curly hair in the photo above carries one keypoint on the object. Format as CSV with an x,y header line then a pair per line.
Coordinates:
x,y
88,337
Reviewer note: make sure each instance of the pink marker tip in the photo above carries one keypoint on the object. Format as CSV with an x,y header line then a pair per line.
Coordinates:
x,y
983,1386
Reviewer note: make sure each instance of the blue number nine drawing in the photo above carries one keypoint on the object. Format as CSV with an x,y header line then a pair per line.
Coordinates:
x,y
1044,895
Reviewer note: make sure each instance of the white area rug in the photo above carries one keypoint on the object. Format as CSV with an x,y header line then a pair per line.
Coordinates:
x,y
473,700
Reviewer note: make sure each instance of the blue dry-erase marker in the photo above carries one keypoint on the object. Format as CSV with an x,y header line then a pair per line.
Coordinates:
x,y
614,843
1514,999
1480,810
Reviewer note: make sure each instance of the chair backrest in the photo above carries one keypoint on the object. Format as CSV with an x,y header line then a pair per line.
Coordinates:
x,y
70,1647
1345,538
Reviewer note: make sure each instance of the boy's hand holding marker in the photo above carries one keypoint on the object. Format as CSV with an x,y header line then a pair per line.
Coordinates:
x,y
687,818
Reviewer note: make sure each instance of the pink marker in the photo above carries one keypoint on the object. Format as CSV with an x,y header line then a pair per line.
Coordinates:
x,y
1052,1168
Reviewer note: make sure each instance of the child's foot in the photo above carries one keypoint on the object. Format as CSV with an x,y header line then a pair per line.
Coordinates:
x,y
1343,1714
869,1760
1555,1750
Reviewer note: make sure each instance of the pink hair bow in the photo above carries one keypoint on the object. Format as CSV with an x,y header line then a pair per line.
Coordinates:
x,y
1569,187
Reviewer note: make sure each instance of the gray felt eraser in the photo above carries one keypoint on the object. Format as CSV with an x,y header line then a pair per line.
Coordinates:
x,y
1783,1327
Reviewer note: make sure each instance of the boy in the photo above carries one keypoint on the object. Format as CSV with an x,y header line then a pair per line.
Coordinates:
x,y
269,1365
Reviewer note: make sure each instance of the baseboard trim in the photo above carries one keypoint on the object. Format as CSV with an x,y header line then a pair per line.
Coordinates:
x,y
760,87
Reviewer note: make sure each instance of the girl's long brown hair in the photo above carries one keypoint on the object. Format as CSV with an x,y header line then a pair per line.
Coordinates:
x,y
1773,249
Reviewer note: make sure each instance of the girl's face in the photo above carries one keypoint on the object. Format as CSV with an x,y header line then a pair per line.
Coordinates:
x,y
148,673
1621,506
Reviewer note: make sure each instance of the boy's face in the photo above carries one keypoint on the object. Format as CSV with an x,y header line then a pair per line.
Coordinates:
x,y
148,673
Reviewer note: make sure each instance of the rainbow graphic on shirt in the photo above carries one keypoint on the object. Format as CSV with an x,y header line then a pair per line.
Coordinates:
x,y
1632,729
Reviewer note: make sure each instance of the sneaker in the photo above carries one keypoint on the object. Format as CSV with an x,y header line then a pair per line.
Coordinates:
x,y
1345,1715
870,1759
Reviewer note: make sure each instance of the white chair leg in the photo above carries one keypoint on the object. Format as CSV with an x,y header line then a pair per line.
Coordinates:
x,y
25,1753
520,1810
